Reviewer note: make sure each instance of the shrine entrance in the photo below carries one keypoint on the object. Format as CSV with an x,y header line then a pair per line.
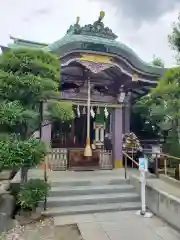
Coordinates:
x,y
101,77
72,136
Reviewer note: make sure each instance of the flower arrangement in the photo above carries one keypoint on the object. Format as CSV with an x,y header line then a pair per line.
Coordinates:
x,y
130,140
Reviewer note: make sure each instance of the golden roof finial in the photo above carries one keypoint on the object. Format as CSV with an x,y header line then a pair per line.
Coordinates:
x,y
77,20
101,16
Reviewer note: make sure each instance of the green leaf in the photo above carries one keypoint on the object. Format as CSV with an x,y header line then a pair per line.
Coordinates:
x,y
60,110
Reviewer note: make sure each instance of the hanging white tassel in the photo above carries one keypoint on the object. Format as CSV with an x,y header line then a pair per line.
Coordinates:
x,y
84,110
106,113
92,113
78,111
98,110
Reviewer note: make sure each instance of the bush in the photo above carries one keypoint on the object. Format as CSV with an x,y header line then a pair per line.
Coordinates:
x,y
33,151
15,153
11,155
31,192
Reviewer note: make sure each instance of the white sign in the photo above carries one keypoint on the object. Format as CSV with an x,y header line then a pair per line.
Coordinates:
x,y
143,164
156,149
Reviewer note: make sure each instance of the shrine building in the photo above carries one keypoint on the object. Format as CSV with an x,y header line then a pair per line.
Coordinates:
x,y
93,62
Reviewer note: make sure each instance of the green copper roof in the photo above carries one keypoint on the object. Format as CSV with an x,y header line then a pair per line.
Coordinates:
x,y
85,42
97,37
25,43
92,37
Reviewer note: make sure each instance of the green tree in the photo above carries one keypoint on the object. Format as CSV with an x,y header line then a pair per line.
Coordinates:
x,y
157,61
28,77
149,123
174,37
167,95
143,109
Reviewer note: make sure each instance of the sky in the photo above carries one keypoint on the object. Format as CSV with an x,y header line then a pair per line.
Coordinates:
x,y
143,25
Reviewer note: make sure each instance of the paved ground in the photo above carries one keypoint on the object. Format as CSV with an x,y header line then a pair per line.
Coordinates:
x,y
120,226
101,226
113,226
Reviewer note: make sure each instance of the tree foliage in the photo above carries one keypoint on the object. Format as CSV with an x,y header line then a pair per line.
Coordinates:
x,y
157,61
174,37
143,108
27,77
15,153
31,193
162,105
146,107
60,110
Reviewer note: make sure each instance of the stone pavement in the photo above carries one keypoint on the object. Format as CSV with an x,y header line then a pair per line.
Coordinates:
x,y
120,226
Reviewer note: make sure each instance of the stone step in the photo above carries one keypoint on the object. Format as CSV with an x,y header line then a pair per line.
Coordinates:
x,y
96,208
90,182
81,200
88,190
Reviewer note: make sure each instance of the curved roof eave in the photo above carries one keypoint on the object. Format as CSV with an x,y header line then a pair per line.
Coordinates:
x,y
115,47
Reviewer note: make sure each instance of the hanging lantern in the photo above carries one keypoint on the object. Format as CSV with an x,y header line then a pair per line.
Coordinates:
x,y
135,77
92,113
78,111
106,113
84,110
98,110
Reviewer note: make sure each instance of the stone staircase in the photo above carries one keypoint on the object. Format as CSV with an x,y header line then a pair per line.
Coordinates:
x,y
91,196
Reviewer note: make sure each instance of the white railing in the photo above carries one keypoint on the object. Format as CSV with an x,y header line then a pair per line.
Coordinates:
x,y
57,159
105,159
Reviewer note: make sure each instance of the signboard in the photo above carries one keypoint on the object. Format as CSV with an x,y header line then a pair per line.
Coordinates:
x,y
156,149
143,164
96,58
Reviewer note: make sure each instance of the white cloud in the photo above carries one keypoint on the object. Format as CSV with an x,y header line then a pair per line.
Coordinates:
x,y
47,21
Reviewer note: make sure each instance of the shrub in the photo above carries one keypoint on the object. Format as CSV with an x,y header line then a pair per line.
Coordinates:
x,y
11,155
31,192
15,153
33,151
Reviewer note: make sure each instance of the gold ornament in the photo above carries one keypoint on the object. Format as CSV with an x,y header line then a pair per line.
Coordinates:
x,y
101,16
77,20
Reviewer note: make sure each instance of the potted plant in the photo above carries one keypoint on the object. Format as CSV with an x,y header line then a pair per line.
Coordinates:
x,y
31,192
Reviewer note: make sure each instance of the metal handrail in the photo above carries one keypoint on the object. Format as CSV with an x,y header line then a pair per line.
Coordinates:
x,y
45,179
125,167
157,157
160,154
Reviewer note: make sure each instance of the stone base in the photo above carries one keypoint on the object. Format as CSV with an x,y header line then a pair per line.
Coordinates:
x,y
145,215
5,175
118,164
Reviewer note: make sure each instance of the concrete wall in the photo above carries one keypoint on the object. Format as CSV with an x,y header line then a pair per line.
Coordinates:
x,y
160,203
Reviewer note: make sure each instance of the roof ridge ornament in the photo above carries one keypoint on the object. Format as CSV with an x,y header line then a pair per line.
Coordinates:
x,y
101,16
96,29
74,29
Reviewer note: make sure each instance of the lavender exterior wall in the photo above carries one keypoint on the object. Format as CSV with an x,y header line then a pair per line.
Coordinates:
x,y
117,140
126,117
46,132
123,120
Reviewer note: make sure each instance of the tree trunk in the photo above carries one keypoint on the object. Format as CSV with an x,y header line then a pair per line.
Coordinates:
x,y
178,130
24,174
24,169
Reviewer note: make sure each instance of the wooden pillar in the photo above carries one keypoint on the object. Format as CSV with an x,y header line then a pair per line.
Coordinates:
x,y
46,132
117,139
127,115
45,125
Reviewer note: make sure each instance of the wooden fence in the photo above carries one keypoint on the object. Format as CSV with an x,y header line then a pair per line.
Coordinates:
x,y
58,159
